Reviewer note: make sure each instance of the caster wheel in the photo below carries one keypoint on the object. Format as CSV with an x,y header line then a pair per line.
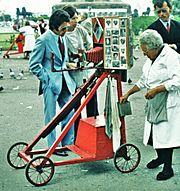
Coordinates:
x,y
13,157
39,171
127,158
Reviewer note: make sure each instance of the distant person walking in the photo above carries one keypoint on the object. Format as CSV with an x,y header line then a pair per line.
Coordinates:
x,y
42,26
28,33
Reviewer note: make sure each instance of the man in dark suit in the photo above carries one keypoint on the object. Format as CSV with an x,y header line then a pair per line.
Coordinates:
x,y
168,28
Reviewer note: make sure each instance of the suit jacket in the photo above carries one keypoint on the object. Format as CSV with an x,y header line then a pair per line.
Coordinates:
x,y
40,63
173,37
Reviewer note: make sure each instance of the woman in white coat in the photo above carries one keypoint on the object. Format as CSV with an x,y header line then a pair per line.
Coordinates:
x,y
29,38
161,77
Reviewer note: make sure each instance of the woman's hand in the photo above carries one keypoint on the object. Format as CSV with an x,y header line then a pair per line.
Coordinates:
x,y
124,98
133,90
152,92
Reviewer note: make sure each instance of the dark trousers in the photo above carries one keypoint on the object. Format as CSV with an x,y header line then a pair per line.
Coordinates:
x,y
165,155
91,110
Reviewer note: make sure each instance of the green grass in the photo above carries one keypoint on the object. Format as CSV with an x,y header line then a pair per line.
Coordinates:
x,y
138,23
177,18
6,40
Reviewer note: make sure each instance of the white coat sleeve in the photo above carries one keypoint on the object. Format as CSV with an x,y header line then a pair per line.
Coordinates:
x,y
173,68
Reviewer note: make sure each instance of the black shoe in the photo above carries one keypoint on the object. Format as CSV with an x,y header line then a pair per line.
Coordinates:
x,y
61,153
164,175
154,163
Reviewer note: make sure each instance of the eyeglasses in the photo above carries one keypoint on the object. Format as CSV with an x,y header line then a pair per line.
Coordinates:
x,y
76,19
146,51
162,10
64,28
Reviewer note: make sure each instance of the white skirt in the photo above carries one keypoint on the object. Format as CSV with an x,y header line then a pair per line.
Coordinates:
x,y
165,134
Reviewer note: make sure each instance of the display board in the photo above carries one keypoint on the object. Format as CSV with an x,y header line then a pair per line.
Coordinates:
x,y
113,33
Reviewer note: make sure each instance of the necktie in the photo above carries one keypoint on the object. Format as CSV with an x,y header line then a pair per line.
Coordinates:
x,y
61,47
168,27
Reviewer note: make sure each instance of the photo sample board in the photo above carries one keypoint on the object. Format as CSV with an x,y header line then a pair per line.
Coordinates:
x,y
114,34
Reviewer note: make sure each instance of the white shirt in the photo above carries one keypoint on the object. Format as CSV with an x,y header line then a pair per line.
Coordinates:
x,y
165,23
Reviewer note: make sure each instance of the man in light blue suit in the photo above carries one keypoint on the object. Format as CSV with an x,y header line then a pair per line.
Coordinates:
x,y
55,86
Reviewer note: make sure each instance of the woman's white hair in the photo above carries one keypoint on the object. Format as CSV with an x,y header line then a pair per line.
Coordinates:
x,y
151,38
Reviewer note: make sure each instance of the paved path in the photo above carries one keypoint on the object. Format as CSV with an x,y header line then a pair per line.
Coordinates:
x,y
21,118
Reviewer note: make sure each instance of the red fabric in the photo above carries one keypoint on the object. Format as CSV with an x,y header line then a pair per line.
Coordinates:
x,y
61,47
95,55
168,27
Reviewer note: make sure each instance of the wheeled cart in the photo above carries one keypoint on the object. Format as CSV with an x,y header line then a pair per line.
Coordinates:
x,y
19,41
91,144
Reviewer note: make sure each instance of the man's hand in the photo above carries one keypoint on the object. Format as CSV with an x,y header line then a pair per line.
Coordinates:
x,y
71,65
173,46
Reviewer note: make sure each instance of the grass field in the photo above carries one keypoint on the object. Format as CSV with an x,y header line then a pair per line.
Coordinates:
x,y
6,40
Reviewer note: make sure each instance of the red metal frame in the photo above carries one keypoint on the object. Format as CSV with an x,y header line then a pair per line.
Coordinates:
x,y
91,150
19,41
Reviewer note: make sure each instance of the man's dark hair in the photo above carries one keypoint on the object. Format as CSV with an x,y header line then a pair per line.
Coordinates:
x,y
57,19
159,3
70,10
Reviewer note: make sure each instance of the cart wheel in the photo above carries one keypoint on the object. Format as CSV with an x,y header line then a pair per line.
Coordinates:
x,y
127,158
39,171
6,56
13,157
